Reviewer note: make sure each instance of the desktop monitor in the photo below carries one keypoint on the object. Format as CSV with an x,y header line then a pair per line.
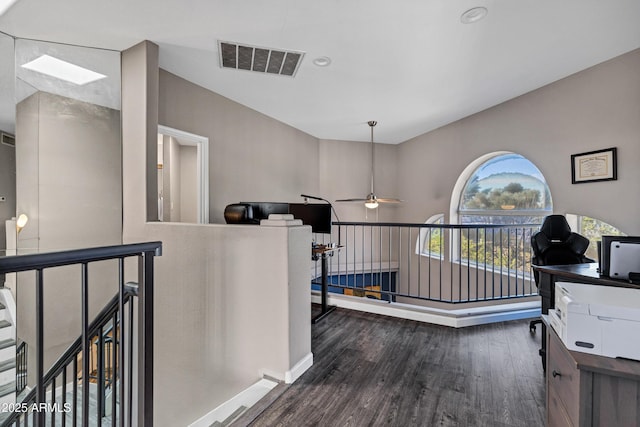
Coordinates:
x,y
317,215
604,254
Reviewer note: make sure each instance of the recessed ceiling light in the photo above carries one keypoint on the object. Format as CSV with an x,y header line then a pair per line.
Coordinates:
x,y
473,15
322,61
63,70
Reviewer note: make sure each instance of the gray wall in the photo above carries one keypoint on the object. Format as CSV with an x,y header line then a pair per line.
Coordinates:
x,y
7,124
231,302
251,157
69,184
593,109
345,173
7,189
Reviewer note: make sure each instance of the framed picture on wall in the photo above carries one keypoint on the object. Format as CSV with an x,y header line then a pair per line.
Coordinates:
x,y
593,166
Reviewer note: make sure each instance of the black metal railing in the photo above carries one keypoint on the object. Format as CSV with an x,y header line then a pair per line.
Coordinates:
x,y
65,390
21,367
448,263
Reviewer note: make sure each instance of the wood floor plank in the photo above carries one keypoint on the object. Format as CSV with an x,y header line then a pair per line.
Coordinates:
x,y
372,370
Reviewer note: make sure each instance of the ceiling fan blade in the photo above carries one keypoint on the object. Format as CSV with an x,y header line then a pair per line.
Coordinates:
x,y
386,200
351,200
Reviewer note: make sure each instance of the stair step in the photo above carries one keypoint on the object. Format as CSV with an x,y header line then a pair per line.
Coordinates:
x,y
2,306
7,343
4,324
7,364
7,388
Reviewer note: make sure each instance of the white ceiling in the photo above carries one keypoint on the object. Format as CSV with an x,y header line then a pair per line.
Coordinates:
x,y
409,64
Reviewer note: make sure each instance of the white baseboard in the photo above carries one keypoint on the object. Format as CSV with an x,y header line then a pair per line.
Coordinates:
x,y
457,318
300,368
251,395
247,398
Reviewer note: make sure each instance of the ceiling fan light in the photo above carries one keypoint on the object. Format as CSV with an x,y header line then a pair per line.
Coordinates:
x,y
371,204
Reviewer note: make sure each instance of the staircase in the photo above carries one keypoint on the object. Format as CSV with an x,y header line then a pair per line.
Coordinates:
x,y
68,391
7,357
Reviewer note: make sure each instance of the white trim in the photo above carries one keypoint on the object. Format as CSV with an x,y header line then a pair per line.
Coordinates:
x,y
300,368
248,397
458,318
202,145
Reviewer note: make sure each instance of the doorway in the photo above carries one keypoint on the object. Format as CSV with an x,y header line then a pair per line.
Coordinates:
x,y
183,176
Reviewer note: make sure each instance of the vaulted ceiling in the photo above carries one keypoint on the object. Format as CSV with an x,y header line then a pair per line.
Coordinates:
x,y
412,65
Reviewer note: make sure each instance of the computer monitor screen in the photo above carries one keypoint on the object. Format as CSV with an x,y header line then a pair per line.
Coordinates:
x,y
605,250
317,215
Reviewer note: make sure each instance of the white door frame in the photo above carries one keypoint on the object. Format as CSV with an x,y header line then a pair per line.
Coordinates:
x,y
202,145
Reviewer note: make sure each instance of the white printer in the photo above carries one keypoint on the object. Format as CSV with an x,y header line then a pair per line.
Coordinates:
x,y
603,320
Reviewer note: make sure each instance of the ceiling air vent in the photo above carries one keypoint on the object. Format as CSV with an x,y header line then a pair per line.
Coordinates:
x,y
8,139
260,59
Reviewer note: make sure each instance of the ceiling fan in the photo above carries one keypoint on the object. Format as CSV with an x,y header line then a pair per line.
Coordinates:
x,y
372,201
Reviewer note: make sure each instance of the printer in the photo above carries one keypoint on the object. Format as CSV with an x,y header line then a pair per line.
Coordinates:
x,y
602,320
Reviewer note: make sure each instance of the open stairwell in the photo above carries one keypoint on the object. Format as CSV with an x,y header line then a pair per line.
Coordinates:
x,y
106,373
7,352
7,356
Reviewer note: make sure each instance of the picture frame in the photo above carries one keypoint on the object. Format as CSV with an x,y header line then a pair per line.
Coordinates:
x,y
592,166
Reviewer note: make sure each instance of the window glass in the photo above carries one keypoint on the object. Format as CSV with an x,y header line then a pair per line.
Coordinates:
x,y
506,189
430,241
593,229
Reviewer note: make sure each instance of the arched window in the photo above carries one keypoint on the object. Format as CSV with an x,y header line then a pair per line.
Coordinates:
x,y
502,188
593,229
430,241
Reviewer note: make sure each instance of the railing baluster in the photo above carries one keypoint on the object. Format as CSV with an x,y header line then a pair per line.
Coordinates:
x,y
63,416
419,255
121,336
130,353
440,260
477,233
409,239
398,279
381,282
86,350
100,369
371,278
391,289
114,365
510,261
40,387
493,256
74,410
484,234
468,265
53,401
460,265
353,264
499,268
516,259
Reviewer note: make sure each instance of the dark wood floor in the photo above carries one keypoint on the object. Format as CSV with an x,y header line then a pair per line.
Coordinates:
x,y
372,370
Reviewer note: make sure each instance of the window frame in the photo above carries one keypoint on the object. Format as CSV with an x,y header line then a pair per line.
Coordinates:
x,y
456,214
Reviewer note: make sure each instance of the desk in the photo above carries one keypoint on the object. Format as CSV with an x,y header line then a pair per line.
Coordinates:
x,y
577,273
324,252
589,390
